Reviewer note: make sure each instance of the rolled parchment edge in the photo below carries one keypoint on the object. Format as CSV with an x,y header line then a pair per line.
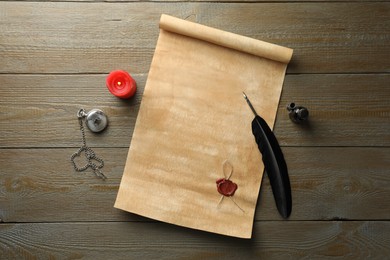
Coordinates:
x,y
226,39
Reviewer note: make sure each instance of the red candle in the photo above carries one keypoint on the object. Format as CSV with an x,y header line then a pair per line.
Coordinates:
x,y
121,84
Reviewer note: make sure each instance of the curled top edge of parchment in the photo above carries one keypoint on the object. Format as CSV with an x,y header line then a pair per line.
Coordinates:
x,y
226,39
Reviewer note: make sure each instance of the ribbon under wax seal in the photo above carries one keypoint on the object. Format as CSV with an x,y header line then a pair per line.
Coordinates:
x,y
225,186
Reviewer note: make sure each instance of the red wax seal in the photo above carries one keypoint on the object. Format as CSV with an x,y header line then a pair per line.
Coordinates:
x,y
226,187
121,84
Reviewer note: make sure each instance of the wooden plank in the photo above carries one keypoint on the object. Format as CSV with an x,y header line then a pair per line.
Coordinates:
x,y
345,110
40,185
330,179
333,183
98,37
227,1
40,110
124,240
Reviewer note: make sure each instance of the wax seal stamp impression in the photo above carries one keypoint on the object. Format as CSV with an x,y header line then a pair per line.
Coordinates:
x,y
225,186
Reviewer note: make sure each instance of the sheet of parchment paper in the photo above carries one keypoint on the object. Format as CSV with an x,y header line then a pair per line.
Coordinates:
x,y
192,118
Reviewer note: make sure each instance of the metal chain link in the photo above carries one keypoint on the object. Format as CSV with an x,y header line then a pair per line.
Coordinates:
x,y
88,152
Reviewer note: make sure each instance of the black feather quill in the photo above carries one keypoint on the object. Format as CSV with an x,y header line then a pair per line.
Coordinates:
x,y
274,163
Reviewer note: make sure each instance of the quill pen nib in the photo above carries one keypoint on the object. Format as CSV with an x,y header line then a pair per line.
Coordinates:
x,y
249,103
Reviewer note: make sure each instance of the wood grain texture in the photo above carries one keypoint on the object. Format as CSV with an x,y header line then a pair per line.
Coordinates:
x,y
40,185
345,110
124,240
339,163
97,37
227,1
40,110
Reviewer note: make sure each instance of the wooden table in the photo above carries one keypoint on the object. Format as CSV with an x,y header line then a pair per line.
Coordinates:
x,y
54,57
